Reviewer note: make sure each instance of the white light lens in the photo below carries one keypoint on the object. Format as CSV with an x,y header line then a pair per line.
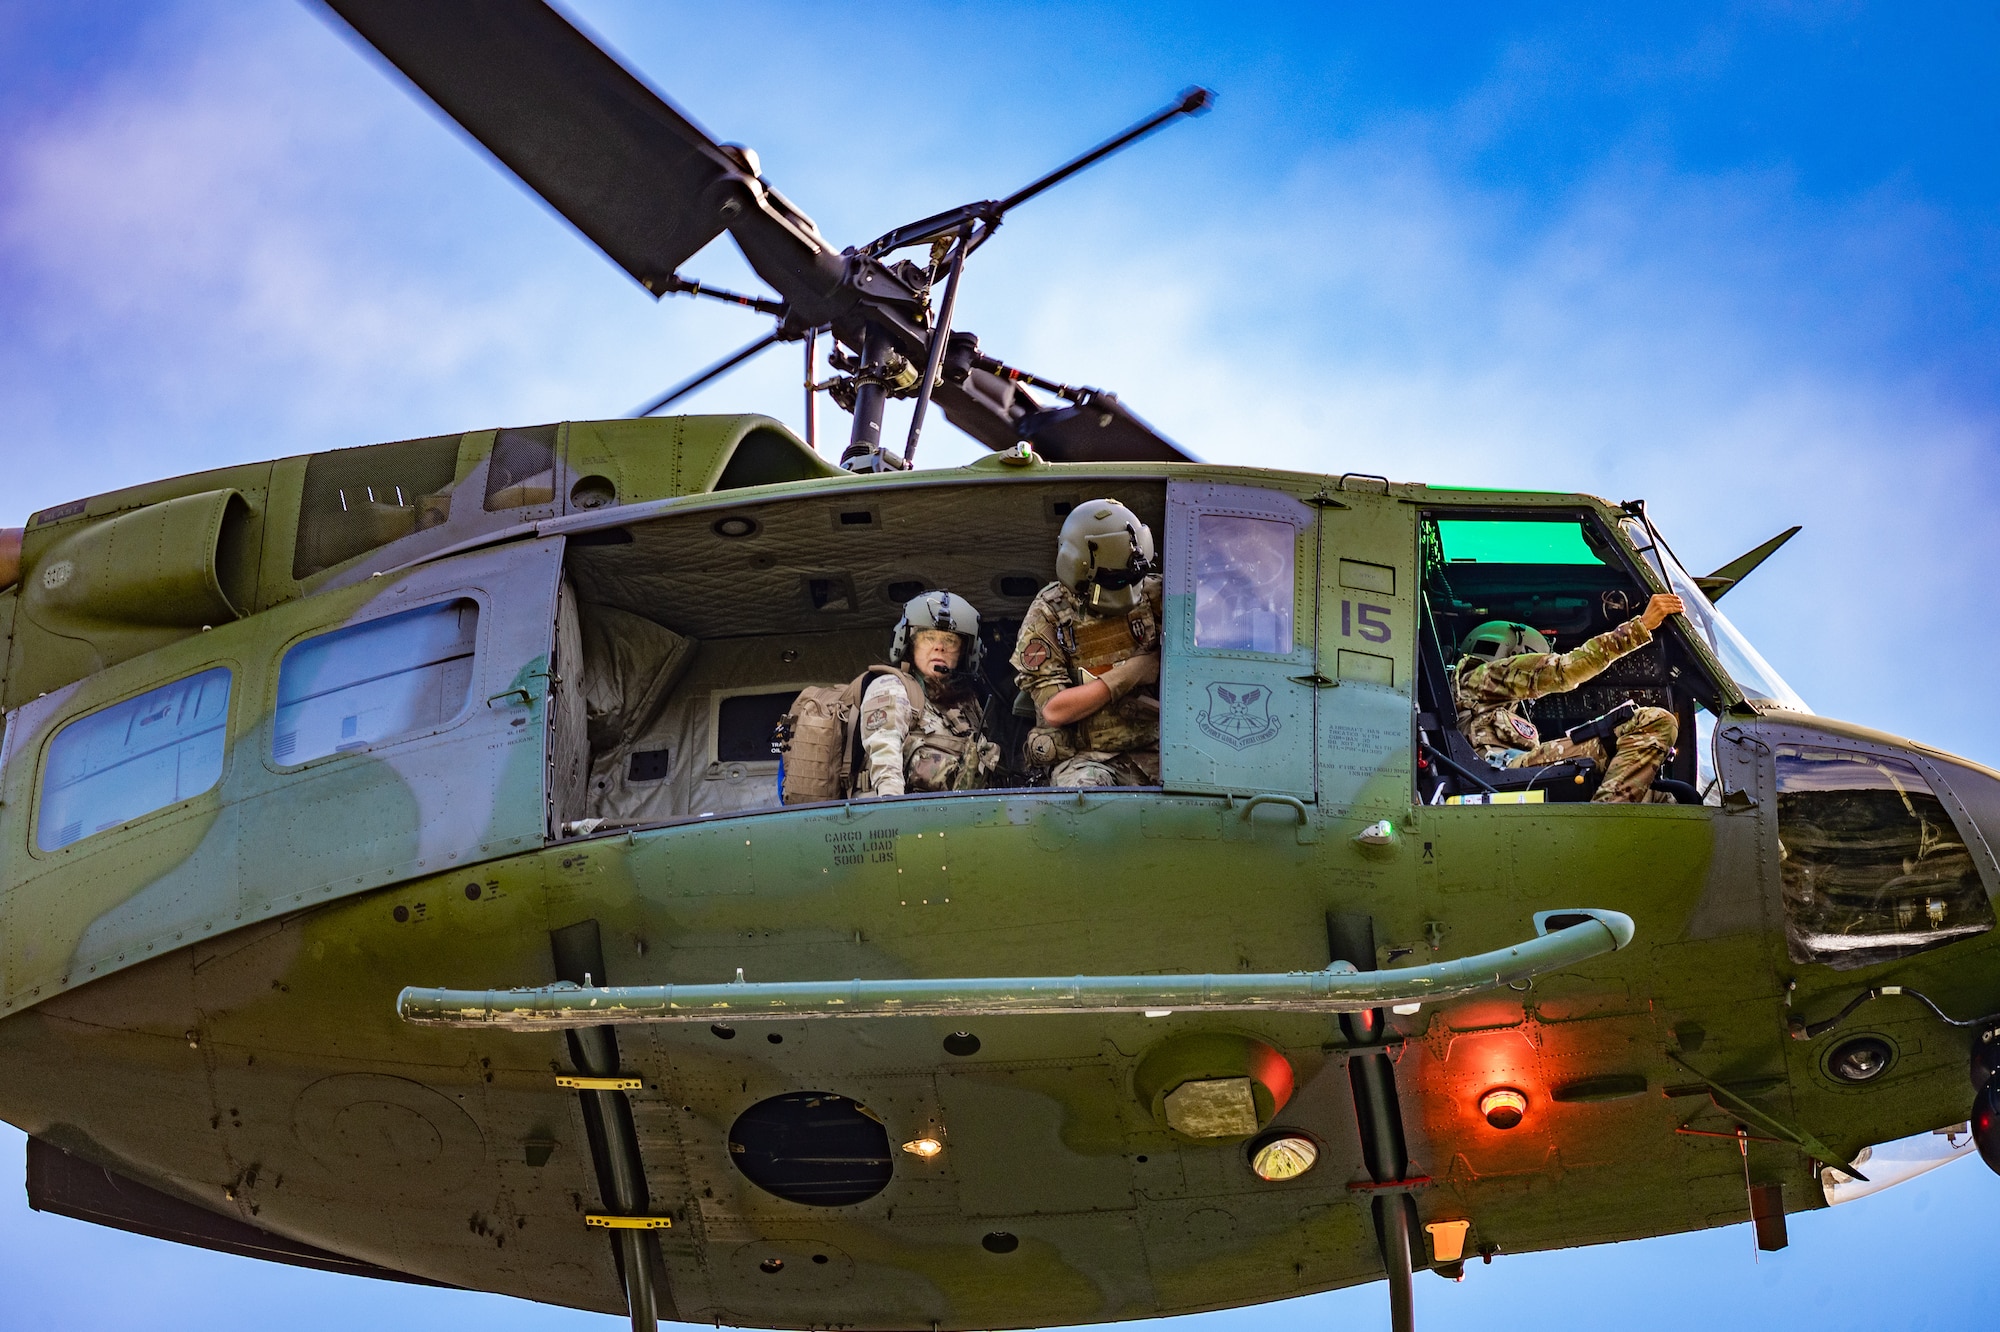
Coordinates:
x,y
1285,1157
924,1147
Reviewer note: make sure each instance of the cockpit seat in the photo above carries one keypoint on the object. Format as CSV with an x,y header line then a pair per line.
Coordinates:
x,y
1464,772
1458,767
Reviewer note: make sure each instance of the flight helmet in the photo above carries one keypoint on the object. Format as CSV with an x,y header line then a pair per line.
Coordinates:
x,y
1103,553
1498,639
939,610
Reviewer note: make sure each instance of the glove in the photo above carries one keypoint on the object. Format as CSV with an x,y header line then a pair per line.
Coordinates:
x,y
1130,673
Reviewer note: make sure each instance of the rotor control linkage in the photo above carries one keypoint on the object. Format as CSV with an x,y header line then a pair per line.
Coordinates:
x,y
680,286
1563,938
962,356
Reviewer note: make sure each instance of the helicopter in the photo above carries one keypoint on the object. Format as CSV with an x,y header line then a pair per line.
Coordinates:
x,y
556,630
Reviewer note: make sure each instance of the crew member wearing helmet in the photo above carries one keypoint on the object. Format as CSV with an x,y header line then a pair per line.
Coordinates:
x,y
1089,654
1505,664
922,727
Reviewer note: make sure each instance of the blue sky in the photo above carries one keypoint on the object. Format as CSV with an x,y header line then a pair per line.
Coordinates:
x,y
1737,259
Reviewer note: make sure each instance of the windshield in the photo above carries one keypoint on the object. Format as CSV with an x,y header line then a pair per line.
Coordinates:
x,y
1752,674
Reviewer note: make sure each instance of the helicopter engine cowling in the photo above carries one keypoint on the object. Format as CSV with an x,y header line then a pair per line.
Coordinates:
x,y
10,557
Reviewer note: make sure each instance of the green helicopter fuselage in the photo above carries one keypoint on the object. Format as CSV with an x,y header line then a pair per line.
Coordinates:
x,y
487,711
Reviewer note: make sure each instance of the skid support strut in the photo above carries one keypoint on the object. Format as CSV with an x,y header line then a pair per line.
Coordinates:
x,y
614,1138
1379,1118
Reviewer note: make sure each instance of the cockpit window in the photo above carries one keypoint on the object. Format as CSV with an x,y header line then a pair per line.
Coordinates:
x,y
1508,573
1472,541
1746,666
1873,868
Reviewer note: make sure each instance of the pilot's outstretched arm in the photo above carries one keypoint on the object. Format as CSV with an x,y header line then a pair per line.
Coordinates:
x,y
1534,674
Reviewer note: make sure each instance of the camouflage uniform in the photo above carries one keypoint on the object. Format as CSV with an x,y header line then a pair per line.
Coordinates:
x,y
940,749
1062,643
1489,697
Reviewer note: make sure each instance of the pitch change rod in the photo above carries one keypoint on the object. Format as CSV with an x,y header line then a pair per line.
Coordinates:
x,y
1564,938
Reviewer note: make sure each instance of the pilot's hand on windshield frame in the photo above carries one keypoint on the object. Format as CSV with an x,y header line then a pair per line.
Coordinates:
x,y
1658,609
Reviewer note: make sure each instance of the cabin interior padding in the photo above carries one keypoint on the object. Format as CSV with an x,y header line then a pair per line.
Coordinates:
x,y
671,617
829,562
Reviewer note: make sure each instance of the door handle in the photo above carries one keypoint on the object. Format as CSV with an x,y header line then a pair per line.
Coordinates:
x,y
527,699
1307,832
1293,803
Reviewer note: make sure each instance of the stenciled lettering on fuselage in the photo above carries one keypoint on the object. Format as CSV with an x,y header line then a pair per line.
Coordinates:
x,y
861,846
1238,714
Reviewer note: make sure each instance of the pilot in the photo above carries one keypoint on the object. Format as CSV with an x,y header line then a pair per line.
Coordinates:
x,y
922,727
1089,654
1504,664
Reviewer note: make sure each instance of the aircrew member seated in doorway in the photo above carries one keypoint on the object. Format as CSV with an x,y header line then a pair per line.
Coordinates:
x,y
1089,654
1505,664
922,728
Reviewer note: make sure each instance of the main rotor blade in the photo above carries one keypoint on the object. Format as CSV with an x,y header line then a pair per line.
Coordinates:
x,y
629,169
714,372
1100,429
1103,429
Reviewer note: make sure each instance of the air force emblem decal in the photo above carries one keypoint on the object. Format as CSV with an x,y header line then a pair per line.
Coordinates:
x,y
1239,715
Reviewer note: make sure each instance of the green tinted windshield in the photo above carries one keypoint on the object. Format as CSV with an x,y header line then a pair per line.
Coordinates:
x,y
1485,542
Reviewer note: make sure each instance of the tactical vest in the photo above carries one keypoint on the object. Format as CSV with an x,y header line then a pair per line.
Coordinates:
x,y
946,760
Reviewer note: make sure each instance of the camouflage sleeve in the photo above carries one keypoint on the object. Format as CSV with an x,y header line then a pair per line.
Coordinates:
x,y
1040,665
885,719
1534,674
